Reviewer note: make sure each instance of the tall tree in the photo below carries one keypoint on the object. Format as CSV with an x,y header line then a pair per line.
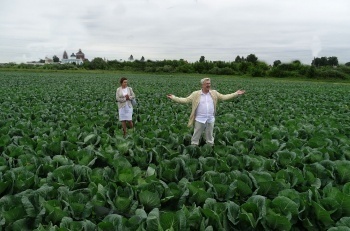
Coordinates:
x,y
316,62
131,58
202,59
323,61
276,63
98,63
252,58
238,59
55,59
333,61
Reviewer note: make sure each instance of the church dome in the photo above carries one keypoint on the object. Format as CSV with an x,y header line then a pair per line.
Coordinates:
x,y
80,55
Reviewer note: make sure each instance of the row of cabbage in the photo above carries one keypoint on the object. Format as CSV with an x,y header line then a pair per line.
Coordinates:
x,y
280,160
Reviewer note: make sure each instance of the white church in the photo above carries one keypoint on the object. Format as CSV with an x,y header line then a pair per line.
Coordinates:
x,y
77,58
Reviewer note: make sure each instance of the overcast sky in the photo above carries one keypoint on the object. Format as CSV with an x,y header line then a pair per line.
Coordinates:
x,y
283,30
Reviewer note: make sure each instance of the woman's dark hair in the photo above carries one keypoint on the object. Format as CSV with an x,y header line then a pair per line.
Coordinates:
x,y
122,80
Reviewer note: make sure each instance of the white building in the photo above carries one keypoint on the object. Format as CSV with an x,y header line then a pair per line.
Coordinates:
x,y
48,60
78,58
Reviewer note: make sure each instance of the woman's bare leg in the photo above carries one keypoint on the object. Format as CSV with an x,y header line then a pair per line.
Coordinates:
x,y
124,127
131,125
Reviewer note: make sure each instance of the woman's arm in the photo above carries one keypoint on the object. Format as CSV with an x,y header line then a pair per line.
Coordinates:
x,y
132,94
119,97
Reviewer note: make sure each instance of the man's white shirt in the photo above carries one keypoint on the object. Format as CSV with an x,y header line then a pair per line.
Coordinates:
x,y
205,110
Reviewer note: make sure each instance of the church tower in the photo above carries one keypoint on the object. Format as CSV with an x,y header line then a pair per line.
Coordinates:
x,y
80,55
65,56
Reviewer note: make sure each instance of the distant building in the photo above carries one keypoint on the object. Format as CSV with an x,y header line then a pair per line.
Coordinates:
x,y
65,56
48,60
80,55
77,58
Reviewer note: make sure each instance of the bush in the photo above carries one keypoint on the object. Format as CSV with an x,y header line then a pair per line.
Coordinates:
x,y
257,72
185,68
277,72
168,68
150,69
344,69
221,71
214,71
311,72
244,66
303,70
331,74
226,71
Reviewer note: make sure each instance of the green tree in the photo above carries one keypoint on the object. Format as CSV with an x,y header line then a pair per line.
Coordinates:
x,y
259,69
311,72
55,59
238,59
244,66
114,65
131,58
316,62
323,61
200,67
276,63
86,65
252,58
138,65
142,59
202,59
98,63
296,62
333,61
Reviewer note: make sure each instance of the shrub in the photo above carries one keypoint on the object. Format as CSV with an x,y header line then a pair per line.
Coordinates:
x,y
344,69
277,72
150,69
214,71
311,72
331,74
225,71
257,72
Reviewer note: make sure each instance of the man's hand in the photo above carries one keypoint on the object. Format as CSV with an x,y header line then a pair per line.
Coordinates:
x,y
240,92
170,96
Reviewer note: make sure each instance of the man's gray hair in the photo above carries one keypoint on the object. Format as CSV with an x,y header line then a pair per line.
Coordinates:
x,y
204,79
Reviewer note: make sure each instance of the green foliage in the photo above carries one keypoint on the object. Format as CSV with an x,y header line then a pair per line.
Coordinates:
x,y
325,61
249,66
311,72
276,63
55,59
252,58
98,64
332,74
280,159
259,69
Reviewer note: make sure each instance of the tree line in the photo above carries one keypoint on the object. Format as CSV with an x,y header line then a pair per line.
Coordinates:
x,y
321,68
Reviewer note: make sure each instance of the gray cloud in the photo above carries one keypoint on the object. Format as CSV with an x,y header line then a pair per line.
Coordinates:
x,y
174,29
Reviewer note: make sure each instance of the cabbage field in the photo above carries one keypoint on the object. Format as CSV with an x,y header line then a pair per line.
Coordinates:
x,y
281,159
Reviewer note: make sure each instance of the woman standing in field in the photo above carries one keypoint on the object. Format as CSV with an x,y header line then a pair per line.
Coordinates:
x,y
124,97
